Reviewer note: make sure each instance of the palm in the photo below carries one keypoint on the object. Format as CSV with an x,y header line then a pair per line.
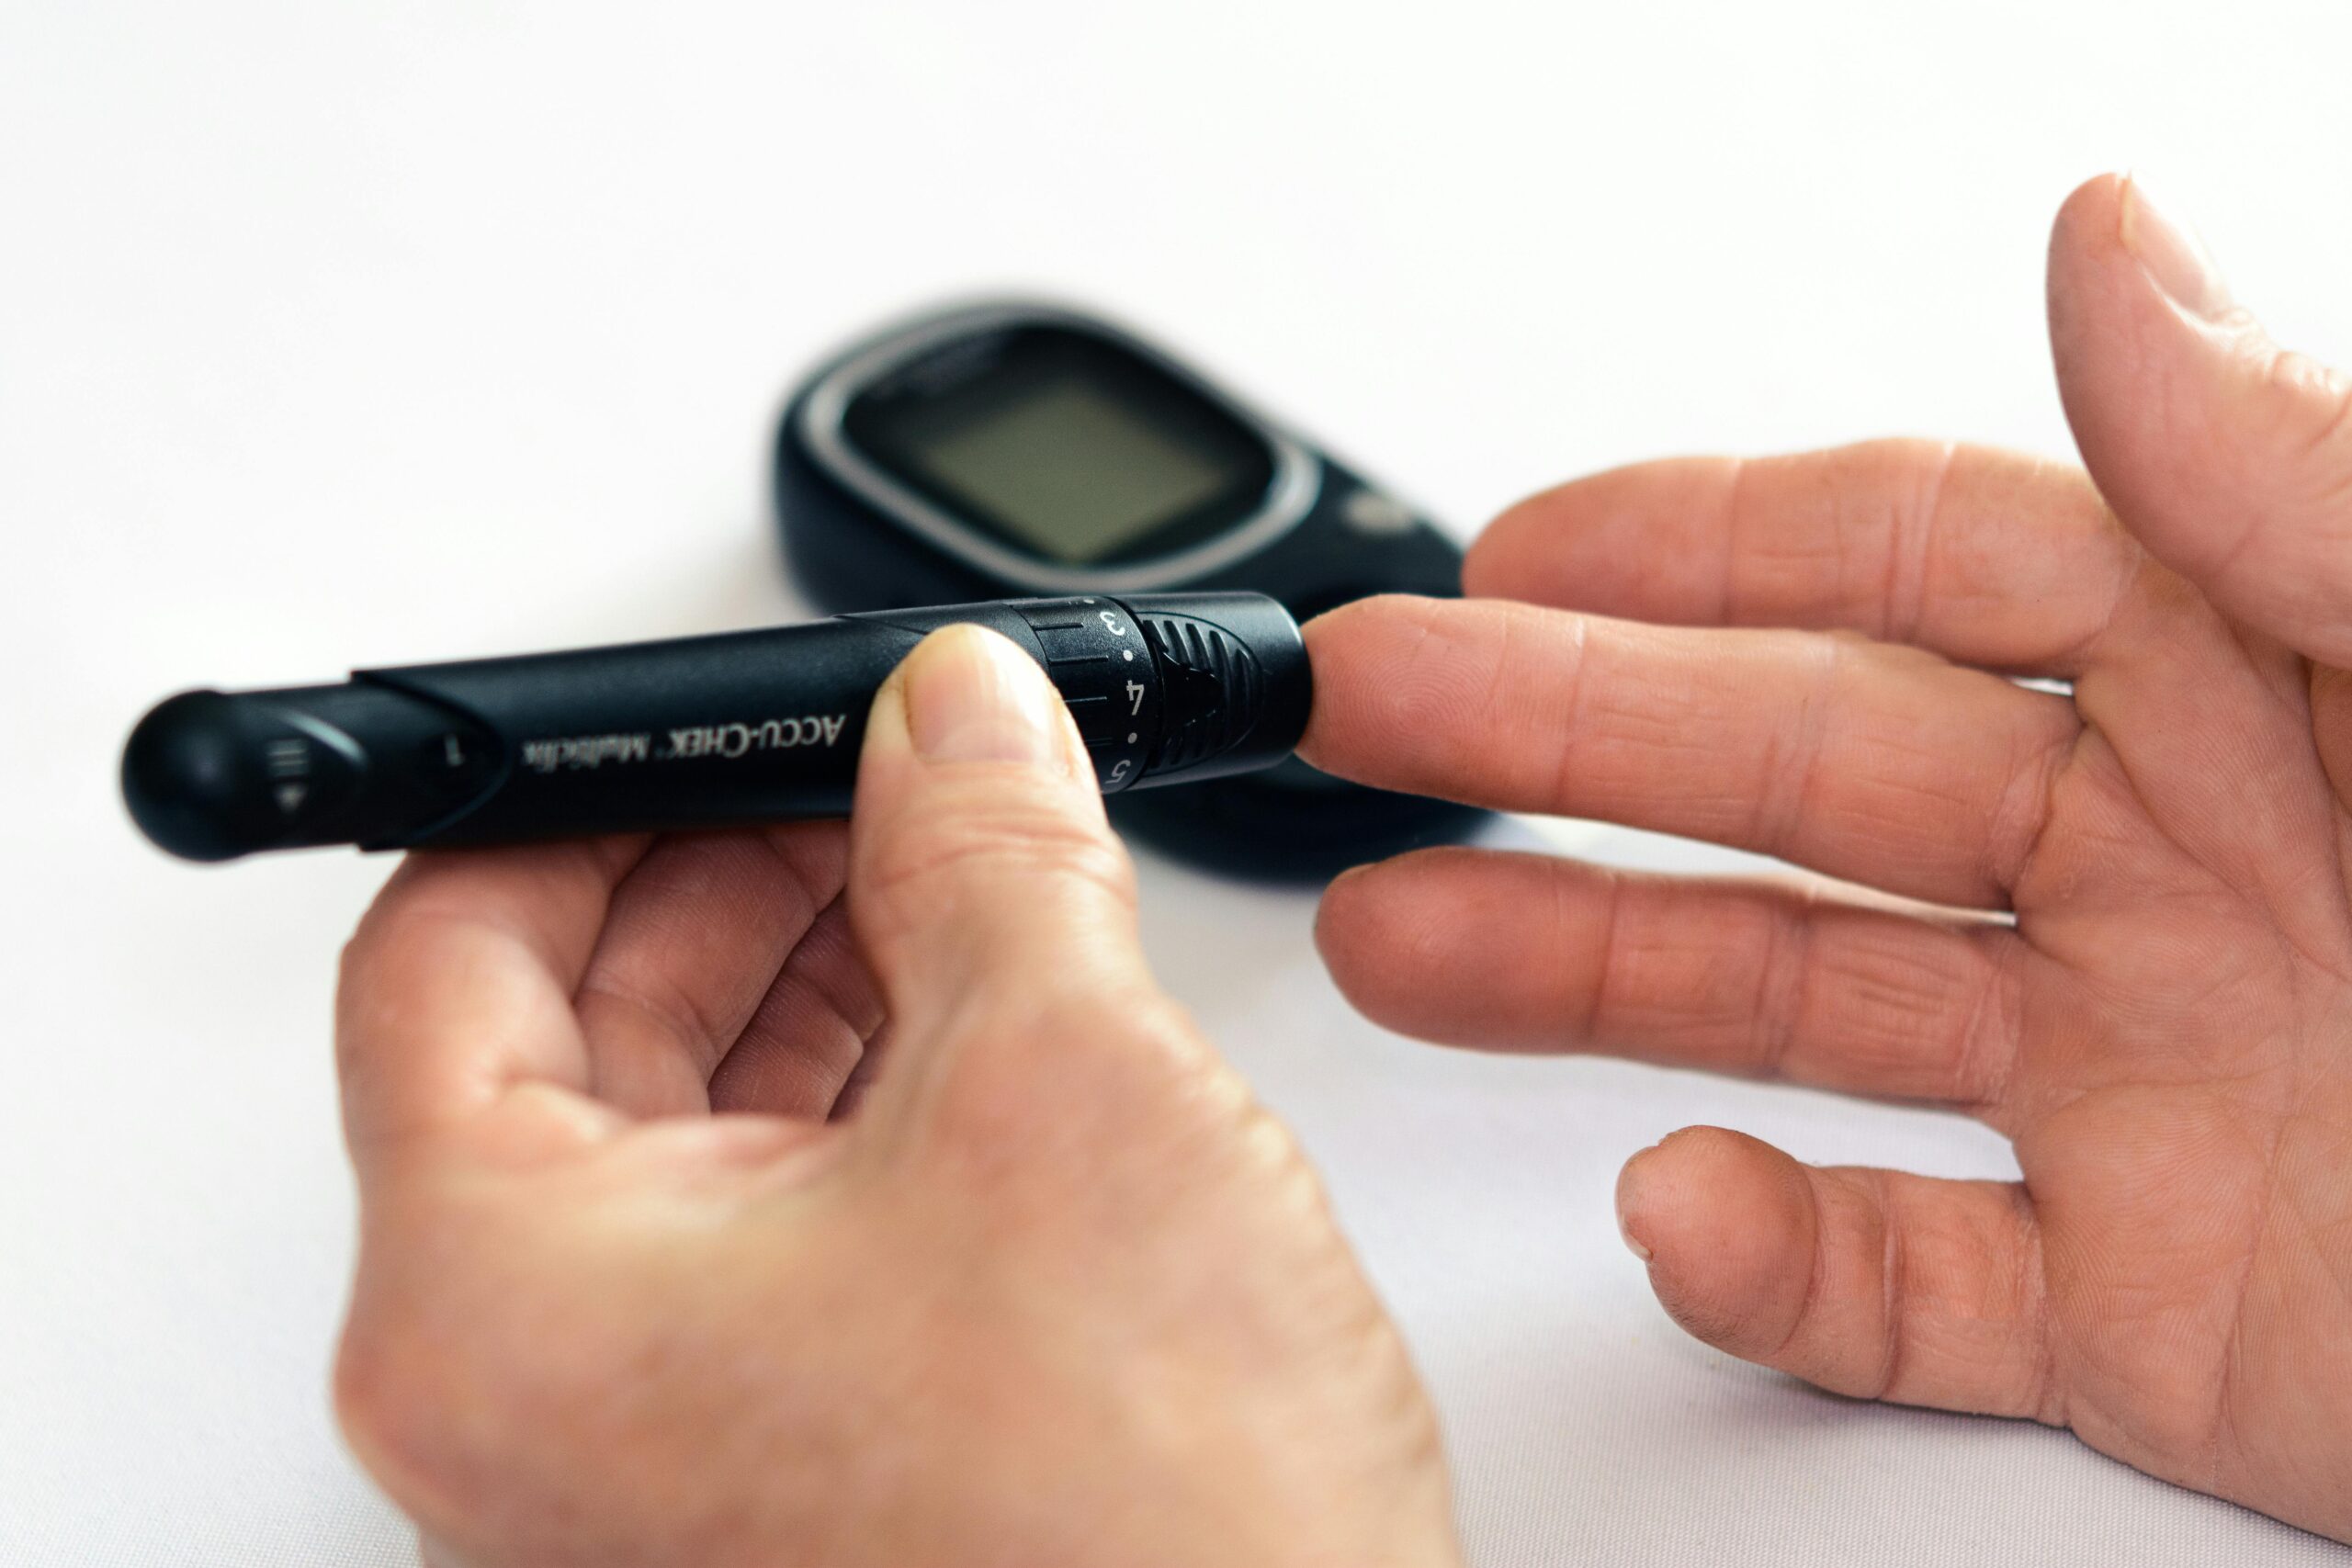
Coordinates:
x,y
2182,1107
2120,931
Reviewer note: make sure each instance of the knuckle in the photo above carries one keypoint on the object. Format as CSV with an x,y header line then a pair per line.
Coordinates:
x,y
444,1365
366,1390
382,1380
358,990
362,952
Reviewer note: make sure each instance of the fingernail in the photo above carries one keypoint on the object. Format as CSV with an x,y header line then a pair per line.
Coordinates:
x,y
2172,255
1626,1181
973,697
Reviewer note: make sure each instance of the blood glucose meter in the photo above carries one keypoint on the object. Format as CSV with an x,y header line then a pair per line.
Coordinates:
x,y
1017,447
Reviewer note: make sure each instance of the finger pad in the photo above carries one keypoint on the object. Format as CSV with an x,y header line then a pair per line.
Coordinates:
x,y
1729,1223
1383,667
1440,944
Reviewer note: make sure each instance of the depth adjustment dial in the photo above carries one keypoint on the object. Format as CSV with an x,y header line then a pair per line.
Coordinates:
x,y
1098,658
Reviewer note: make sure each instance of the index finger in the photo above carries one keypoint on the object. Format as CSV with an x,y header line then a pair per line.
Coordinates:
x,y
1875,764
458,982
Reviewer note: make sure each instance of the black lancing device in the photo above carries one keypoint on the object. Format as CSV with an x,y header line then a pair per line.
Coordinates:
x,y
738,727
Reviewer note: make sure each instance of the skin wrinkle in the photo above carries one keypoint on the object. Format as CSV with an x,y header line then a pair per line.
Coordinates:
x,y
1841,550
1564,767
2301,717
1895,1257
2234,1299
829,983
687,1031
2283,674
860,1081
2144,817
2225,1423
2031,811
1934,1035
1893,991
2135,560
2221,564
1774,817
1892,807
1490,701
2343,863
826,967
609,870
755,1070
703,1036
1595,1006
1902,625
2225,1401
2334,434
1787,947
2225,1440
1817,1274
1735,503
2282,375
2004,988
2049,1400
2249,898
2313,1237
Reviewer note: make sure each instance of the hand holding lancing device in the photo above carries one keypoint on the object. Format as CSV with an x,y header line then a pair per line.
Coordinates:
x,y
1059,1292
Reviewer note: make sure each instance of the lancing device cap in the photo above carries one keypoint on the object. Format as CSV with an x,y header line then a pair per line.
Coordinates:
x,y
741,728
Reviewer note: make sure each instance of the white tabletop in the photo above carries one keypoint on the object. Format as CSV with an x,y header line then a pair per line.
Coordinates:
x,y
333,335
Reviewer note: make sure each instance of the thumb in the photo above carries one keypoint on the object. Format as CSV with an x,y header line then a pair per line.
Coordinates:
x,y
982,874
2228,457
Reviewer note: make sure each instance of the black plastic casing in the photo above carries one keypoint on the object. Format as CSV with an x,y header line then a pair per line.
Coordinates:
x,y
1353,540
740,727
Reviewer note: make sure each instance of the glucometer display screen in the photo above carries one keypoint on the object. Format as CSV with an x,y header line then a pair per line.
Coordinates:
x,y
1074,472
1065,446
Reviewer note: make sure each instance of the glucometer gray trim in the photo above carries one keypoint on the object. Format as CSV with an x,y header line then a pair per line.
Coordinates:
x,y
1290,494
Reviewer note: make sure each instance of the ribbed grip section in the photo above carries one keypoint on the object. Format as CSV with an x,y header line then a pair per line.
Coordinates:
x,y
1214,691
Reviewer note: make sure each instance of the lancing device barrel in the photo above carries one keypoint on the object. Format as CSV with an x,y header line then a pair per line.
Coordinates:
x,y
740,727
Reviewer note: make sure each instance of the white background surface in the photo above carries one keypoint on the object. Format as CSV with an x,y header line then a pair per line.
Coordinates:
x,y
339,334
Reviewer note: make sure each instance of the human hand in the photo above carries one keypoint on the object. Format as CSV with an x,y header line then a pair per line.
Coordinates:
x,y
1058,1293
2166,1031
